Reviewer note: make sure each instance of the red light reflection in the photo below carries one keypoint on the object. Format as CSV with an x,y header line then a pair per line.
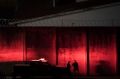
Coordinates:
x,y
73,48
11,50
103,48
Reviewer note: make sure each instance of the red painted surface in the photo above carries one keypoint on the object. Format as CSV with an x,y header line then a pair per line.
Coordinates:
x,y
103,47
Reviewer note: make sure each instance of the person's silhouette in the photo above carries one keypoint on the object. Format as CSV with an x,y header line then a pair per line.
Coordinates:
x,y
68,67
75,67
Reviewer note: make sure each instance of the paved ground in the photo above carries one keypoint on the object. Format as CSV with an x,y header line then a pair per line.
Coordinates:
x,y
41,77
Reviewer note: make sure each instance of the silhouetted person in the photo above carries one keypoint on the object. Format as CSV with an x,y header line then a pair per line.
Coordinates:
x,y
68,68
75,67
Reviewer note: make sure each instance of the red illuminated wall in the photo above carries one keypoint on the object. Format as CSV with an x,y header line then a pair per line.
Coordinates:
x,y
18,44
11,45
72,46
41,43
102,48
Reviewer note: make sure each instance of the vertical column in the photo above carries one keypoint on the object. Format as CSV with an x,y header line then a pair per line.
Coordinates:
x,y
57,46
87,36
24,45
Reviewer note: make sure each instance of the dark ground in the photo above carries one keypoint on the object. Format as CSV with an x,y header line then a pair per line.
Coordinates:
x,y
38,77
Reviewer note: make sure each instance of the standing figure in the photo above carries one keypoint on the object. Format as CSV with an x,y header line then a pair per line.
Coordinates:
x,y
75,67
69,67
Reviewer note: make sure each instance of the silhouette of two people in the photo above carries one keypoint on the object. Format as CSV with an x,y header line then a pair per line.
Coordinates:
x,y
75,67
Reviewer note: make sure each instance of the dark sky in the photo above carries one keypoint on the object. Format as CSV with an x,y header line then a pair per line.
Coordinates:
x,y
7,3
7,8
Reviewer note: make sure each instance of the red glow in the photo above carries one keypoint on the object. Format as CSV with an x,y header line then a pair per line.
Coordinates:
x,y
13,52
72,53
71,46
103,51
78,54
31,54
41,43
